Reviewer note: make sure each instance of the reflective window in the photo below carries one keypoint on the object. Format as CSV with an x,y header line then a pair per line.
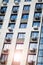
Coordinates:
x,y
36,23
37,15
25,16
16,0
42,29
4,57
33,46
3,9
23,25
9,35
40,59
38,6
6,47
41,46
21,35
11,25
13,17
40,53
1,18
0,25
26,7
19,46
31,58
41,40
34,34
41,35
27,0
15,8
6,1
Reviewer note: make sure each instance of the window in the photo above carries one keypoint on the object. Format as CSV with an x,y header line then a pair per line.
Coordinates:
x,y
13,17
39,0
34,34
31,58
36,23
40,53
40,59
4,58
38,6
0,25
21,35
41,35
27,0
11,25
41,40
23,25
6,1
6,47
41,47
16,1
26,7
9,35
42,29
1,18
15,8
19,46
3,9
25,16
37,15
33,46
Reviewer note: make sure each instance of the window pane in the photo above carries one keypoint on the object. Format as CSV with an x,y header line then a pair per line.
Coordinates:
x,y
25,16
21,35
23,25
26,7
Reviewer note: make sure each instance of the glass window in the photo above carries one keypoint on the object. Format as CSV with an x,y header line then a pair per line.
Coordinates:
x,y
31,58
42,29
1,18
9,35
27,0
39,64
4,57
36,23
38,6
15,8
40,59
41,46
21,35
16,0
3,9
6,1
26,7
41,40
0,25
41,35
23,25
13,17
19,46
40,53
33,46
37,15
6,47
34,34
25,16
11,25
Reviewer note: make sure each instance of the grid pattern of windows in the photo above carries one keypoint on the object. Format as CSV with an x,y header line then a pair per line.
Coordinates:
x,y
21,31
40,53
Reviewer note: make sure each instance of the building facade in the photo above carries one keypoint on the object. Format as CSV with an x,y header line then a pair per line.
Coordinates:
x,y
21,32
